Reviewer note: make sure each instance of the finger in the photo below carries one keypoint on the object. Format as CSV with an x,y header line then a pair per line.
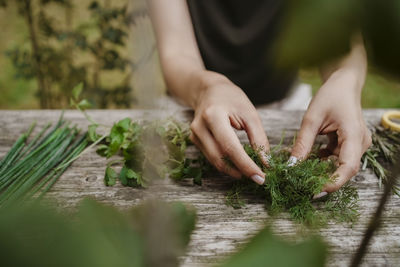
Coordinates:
x,y
258,139
212,152
230,146
349,164
332,148
305,138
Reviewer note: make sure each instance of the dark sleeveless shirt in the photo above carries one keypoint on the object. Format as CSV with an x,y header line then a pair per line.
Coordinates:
x,y
235,37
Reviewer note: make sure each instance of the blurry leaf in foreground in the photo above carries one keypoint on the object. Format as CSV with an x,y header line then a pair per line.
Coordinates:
x,y
77,90
97,235
381,30
265,250
166,229
315,31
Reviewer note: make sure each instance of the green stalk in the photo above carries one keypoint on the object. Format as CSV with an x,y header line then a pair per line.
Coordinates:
x,y
15,183
87,149
17,189
32,160
60,172
56,134
19,145
60,123
34,141
15,150
75,149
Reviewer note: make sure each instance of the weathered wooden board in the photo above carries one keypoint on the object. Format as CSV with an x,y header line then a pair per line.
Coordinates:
x,y
220,229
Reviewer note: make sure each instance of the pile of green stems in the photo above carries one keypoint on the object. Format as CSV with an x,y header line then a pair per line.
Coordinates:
x,y
30,169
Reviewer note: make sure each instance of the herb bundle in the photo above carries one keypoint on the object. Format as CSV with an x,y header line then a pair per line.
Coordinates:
x,y
146,150
149,150
292,189
31,168
384,151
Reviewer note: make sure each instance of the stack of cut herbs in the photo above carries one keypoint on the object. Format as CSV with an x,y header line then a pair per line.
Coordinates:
x,y
30,169
292,189
146,150
149,150
157,149
384,151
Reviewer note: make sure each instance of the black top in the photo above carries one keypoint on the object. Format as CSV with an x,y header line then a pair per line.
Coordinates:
x,y
235,37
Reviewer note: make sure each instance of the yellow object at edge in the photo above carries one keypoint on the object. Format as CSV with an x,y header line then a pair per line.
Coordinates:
x,y
386,120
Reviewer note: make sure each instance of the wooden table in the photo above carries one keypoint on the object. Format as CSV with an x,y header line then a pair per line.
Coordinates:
x,y
220,229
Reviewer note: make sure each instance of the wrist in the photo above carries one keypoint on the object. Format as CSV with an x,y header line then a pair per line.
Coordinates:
x,y
204,81
349,81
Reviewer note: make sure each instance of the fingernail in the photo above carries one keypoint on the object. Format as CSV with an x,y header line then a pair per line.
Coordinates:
x,y
258,179
322,194
266,157
292,161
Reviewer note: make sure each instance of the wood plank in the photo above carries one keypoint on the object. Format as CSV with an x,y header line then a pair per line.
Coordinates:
x,y
220,229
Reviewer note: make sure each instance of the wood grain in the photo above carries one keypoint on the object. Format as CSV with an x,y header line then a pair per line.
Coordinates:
x,y
220,229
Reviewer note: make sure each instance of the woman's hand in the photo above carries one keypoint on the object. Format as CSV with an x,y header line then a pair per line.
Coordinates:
x,y
220,106
336,111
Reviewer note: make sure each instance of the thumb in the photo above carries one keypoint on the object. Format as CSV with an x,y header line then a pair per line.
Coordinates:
x,y
258,139
304,140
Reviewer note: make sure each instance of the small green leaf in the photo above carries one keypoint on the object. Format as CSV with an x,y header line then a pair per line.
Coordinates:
x,y
122,176
72,102
93,136
197,180
195,173
177,173
76,92
115,144
84,104
131,174
110,176
124,124
102,150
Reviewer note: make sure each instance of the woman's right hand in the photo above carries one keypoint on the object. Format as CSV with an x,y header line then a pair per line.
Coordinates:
x,y
220,107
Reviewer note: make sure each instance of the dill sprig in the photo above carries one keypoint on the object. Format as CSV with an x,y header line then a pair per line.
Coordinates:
x,y
291,189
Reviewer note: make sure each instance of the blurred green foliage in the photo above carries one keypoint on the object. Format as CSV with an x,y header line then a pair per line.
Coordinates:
x,y
154,233
89,40
60,49
379,91
266,250
323,29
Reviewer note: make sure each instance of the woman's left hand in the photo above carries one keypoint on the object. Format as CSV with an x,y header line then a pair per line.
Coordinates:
x,y
336,111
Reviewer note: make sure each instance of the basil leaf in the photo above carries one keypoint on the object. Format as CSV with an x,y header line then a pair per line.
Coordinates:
x,y
76,92
110,177
93,136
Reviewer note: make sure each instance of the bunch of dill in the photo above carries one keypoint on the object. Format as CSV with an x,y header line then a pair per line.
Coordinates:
x,y
292,189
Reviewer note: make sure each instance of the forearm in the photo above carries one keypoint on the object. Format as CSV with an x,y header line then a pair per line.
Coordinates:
x,y
351,69
186,77
180,57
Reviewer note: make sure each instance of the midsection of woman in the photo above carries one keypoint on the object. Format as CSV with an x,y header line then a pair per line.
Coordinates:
x,y
235,38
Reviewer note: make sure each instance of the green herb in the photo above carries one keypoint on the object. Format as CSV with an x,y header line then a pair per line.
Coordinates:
x,y
267,250
148,150
292,189
30,169
383,152
154,233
